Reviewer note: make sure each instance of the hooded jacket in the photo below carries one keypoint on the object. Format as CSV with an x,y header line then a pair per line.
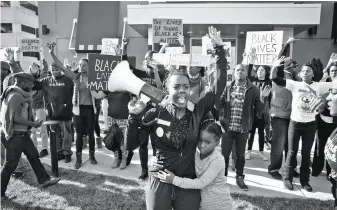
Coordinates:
x,y
12,98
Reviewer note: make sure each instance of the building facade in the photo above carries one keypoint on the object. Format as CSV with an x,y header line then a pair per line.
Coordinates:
x,y
78,27
19,19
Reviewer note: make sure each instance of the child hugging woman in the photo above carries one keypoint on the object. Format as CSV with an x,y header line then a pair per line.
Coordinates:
x,y
210,169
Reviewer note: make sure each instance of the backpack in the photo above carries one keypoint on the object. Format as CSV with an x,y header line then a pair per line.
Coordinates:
x,y
113,138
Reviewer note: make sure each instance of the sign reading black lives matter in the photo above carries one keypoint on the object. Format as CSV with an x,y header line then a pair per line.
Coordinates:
x,y
100,68
166,30
267,44
30,45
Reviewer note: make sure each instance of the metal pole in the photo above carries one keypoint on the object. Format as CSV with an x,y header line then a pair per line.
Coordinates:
x,y
54,160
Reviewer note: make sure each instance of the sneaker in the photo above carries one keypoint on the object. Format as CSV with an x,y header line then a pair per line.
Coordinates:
x,y
78,164
50,182
275,174
288,184
262,156
43,153
60,157
116,163
247,156
18,175
67,159
144,174
93,160
296,174
241,183
307,186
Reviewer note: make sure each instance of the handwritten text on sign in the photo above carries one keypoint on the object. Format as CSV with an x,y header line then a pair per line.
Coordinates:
x,y
166,30
183,59
110,46
30,45
267,44
100,68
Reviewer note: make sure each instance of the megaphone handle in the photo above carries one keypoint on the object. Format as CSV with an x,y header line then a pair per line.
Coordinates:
x,y
154,93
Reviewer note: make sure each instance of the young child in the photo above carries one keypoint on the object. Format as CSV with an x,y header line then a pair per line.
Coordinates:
x,y
210,170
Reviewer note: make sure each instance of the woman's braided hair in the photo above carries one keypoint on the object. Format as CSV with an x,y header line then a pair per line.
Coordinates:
x,y
173,71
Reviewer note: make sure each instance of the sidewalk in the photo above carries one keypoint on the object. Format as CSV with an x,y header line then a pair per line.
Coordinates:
x,y
260,183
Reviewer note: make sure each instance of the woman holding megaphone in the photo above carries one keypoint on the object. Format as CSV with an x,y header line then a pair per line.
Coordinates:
x,y
176,123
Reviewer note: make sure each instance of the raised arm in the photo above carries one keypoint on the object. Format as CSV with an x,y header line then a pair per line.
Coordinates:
x,y
15,65
58,63
212,98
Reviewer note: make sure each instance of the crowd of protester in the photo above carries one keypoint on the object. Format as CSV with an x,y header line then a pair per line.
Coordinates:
x,y
283,102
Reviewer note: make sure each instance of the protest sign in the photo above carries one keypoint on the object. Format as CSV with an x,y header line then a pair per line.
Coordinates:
x,y
100,68
267,44
110,46
174,50
182,60
333,57
166,30
30,45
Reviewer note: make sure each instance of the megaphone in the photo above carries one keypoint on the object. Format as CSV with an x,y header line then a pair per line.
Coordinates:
x,y
122,79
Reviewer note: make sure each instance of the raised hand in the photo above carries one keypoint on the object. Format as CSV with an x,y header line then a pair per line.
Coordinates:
x,y
214,35
126,42
41,54
10,55
17,54
281,61
51,47
291,40
180,39
136,107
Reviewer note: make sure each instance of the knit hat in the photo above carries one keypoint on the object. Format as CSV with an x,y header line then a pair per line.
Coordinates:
x,y
5,65
24,77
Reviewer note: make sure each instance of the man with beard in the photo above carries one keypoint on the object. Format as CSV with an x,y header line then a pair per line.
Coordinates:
x,y
57,92
17,120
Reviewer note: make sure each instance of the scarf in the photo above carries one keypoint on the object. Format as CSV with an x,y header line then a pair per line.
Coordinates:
x,y
77,82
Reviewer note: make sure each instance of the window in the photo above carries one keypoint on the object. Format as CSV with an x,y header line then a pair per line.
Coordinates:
x,y
29,6
32,54
28,29
5,3
6,28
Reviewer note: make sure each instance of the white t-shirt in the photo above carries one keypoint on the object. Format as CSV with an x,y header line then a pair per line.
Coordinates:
x,y
302,96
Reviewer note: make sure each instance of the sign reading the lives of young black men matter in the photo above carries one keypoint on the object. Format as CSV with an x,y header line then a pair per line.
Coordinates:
x,y
267,44
30,45
100,68
166,30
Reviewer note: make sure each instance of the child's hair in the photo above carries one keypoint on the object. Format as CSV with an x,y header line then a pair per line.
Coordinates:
x,y
212,127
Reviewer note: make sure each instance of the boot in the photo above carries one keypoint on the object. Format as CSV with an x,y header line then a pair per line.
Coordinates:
x,y
99,142
117,160
85,142
144,174
128,160
92,157
124,157
78,163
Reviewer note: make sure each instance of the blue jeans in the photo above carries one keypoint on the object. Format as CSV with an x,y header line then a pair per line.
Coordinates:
x,y
298,130
279,143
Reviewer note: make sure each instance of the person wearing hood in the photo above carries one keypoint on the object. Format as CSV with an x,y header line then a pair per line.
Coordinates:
x,y
17,119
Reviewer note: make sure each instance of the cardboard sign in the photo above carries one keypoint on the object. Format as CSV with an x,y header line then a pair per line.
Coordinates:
x,y
30,45
110,46
182,60
100,68
174,50
333,57
166,30
267,44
